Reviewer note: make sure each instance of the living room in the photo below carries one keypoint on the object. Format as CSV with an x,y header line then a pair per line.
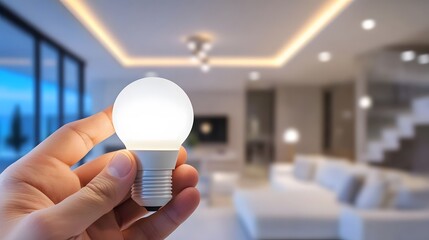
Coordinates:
x,y
311,118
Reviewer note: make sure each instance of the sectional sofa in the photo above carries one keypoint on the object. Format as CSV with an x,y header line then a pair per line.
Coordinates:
x,y
324,198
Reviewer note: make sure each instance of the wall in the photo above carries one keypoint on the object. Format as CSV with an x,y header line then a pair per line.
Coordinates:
x,y
342,132
229,103
299,107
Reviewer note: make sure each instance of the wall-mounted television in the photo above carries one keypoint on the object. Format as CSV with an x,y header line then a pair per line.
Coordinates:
x,y
210,129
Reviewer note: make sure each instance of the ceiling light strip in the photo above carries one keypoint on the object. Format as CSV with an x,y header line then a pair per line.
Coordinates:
x,y
88,19
323,17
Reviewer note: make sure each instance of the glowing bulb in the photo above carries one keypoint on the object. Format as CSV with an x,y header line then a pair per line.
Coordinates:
x,y
365,102
191,45
153,117
291,135
207,46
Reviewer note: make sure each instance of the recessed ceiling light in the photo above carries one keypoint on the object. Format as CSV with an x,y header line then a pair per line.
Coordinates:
x,y
365,102
368,24
151,74
408,56
205,67
254,76
325,56
423,59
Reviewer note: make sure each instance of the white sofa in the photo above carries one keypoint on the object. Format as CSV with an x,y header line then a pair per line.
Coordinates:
x,y
307,201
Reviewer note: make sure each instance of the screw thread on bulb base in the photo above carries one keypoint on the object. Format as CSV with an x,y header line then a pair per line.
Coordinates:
x,y
152,188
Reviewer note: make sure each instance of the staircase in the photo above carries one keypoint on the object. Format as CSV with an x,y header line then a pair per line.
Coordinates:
x,y
404,128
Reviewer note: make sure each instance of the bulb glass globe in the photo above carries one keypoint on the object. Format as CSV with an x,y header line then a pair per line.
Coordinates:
x,y
153,117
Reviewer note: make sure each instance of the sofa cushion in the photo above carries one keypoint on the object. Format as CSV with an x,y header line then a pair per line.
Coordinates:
x,y
374,192
304,167
328,171
350,183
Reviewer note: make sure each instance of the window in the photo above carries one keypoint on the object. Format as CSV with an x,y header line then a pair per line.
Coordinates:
x,y
41,87
17,88
50,91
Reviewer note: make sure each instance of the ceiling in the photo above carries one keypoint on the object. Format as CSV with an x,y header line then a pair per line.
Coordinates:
x,y
239,28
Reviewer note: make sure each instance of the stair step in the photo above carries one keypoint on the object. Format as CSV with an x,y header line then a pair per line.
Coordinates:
x,y
420,106
390,138
404,128
405,124
375,151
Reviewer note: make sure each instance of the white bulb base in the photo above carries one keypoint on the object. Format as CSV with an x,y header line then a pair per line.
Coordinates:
x,y
152,186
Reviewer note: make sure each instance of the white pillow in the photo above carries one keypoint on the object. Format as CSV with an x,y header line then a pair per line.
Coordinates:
x,y
304,168
373,194
328,172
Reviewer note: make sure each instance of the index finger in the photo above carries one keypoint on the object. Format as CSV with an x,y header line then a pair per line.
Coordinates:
x,y
74,140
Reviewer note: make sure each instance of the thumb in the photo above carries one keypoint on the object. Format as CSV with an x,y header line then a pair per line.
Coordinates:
x,y
77,212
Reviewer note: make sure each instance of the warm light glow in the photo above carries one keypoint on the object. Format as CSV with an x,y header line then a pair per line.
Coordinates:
x,y
206,128
320,20
368,24
323,17
325,56
291,136
365,102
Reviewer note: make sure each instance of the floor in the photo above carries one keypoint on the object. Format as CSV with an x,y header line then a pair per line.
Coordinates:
x,y
211,223
215,217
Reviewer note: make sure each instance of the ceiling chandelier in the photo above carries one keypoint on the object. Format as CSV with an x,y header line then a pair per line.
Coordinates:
x,y
199,47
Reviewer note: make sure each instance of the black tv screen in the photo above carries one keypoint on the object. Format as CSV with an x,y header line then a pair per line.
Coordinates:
x,y
210,129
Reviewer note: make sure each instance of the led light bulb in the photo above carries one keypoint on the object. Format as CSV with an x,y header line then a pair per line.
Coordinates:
x,y
153,117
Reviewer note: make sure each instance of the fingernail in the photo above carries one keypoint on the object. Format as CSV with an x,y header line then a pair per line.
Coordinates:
x,y
119,166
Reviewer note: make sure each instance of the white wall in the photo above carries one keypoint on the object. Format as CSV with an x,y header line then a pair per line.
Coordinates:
x,y
299,107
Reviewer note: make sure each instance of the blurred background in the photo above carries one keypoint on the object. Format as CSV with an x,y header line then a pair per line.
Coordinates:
x,y
311,117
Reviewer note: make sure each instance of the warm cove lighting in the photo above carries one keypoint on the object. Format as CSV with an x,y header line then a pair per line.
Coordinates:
x,y
315,24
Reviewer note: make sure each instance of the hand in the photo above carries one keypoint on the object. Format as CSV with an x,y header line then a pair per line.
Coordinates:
x,y
42,198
